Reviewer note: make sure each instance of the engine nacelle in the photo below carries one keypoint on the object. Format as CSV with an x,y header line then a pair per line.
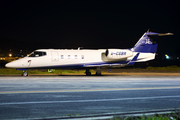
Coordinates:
x,y
118,54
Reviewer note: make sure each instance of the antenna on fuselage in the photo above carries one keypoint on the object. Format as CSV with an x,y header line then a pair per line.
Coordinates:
x,y
79,48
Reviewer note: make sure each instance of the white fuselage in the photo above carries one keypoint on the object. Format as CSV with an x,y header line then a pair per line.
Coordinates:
x,y
55,58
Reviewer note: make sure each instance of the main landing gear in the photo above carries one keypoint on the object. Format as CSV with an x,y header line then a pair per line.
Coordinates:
x,y
25,73
88,73
98,72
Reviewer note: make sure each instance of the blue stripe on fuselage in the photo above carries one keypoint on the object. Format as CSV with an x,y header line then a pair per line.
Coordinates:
x,y
74,66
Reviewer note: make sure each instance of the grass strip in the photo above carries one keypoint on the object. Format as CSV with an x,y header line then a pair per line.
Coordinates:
x,y
168,68
168,116
8,71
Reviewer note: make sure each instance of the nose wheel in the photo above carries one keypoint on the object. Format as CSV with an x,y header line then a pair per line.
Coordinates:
x,y
25,74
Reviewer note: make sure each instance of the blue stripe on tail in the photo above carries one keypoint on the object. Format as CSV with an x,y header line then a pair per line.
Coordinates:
x,y
133,60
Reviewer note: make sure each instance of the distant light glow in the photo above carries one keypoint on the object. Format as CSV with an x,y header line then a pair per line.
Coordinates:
x,y
167,57
10,55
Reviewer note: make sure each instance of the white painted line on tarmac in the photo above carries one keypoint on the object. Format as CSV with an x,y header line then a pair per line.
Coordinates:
x,y
87,90
84,101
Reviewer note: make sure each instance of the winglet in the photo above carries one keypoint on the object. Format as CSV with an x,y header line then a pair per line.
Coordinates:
x,y
133,60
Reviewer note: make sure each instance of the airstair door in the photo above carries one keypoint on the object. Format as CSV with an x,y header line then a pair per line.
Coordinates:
x,y
29,63
54,56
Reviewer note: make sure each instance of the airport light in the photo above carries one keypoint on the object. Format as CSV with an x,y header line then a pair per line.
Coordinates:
x,y
167,57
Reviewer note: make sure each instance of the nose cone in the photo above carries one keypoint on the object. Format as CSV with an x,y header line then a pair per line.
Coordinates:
x,y
21,63
8,65
11,65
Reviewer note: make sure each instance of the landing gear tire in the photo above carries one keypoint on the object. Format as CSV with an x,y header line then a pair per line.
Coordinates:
x,y
88,73
98,71
98,74
25,74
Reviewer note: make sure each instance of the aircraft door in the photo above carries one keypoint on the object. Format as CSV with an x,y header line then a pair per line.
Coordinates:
x,y
25,64
54,56
29,63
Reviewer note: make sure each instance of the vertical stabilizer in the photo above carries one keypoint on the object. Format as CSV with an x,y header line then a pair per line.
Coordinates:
x,y
148,42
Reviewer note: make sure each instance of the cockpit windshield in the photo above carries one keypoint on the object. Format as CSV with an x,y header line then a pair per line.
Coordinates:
x,y
37,54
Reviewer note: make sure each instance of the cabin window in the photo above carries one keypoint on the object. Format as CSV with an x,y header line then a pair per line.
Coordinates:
x,y
69,56
37,54
75,56
82,56
62,56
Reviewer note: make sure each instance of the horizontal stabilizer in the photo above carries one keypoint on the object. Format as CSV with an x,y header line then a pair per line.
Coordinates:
x,y
159,34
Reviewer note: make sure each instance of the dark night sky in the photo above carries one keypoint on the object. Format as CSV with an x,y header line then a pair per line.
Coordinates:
x,y
95,24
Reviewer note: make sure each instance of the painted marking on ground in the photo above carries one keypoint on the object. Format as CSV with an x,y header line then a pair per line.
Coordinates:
x,y
87,90
94,100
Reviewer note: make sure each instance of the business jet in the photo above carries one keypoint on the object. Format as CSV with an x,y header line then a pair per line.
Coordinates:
x,y
143,50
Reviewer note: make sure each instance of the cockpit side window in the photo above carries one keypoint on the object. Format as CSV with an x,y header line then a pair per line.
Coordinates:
x,y
37,54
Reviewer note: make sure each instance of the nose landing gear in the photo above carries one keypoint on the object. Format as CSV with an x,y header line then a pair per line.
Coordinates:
x,y
25,73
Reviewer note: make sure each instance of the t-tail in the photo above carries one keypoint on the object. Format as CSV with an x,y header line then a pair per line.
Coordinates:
x,y
147,46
